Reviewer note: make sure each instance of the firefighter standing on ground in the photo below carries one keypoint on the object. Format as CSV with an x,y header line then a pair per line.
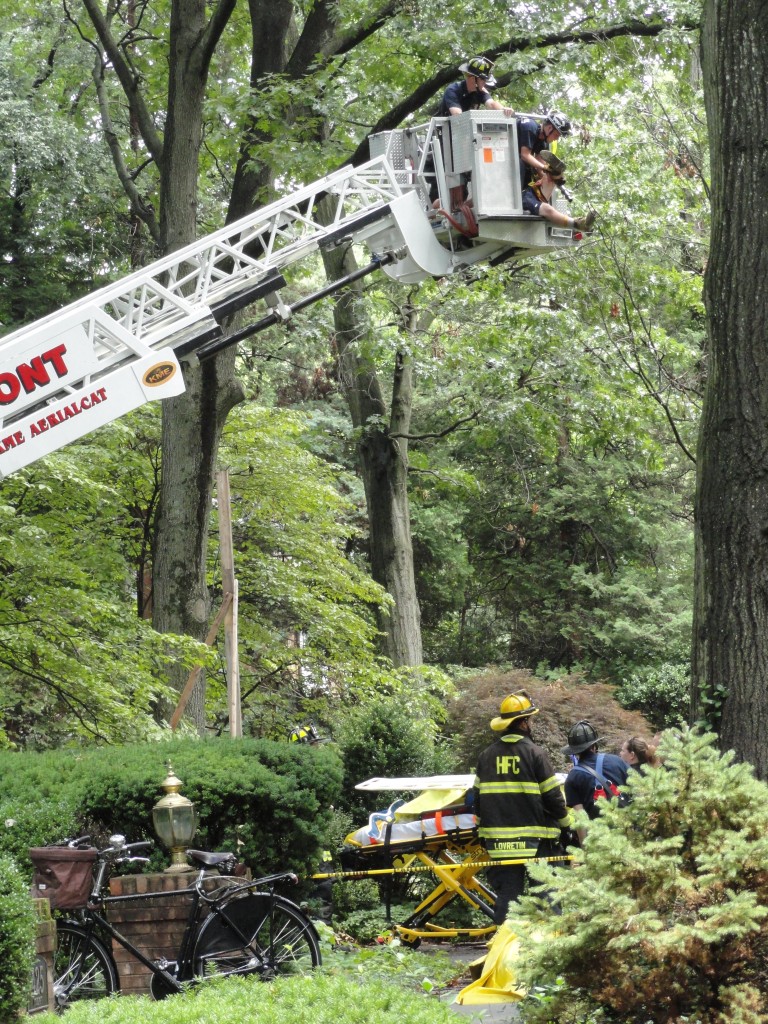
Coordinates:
x,y
518,801
580,784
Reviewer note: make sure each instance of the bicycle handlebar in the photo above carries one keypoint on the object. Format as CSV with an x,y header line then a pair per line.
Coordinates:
x,y
74,844
118,845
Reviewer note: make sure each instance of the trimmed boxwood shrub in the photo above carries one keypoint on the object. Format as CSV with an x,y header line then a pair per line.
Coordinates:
x,y
268,801
385,737
33,821
17,938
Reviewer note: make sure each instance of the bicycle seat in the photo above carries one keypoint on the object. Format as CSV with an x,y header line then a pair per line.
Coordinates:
x,y
210,860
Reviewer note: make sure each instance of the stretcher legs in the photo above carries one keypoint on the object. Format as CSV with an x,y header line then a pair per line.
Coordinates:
x,y
455,871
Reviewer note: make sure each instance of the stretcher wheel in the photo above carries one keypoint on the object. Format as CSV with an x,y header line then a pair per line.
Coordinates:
x,y
411,943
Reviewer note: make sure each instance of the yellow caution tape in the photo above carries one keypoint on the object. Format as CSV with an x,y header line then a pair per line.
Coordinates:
x,y
460,865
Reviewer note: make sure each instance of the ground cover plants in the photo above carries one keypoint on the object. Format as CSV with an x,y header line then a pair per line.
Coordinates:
x,y
320,998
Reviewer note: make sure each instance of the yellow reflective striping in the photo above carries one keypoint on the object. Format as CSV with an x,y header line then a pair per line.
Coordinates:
x,y
529,832
548,784
510,787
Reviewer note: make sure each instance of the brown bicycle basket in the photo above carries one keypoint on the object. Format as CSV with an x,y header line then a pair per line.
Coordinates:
x,y
62,875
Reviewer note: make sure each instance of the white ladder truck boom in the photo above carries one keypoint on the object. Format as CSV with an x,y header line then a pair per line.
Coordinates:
x,y
104,355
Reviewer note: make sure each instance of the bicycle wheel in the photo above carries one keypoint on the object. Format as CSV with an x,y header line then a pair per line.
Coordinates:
x,y
83,968
256,934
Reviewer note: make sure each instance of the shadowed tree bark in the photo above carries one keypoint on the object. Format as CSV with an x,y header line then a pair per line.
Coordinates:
x,y
383,461
730,652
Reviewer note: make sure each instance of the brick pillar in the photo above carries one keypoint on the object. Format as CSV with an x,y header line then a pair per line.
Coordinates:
x,y
41,994
154,926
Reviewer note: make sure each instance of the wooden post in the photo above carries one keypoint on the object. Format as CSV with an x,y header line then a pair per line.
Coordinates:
x,y
186,693
229,586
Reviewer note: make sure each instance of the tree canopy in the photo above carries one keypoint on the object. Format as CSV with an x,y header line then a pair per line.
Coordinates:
x,y
543,413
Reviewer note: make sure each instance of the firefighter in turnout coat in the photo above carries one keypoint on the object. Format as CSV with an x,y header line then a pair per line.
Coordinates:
x,y
518,801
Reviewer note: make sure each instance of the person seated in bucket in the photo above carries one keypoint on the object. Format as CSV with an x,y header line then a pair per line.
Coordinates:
x,y
533,139
538,194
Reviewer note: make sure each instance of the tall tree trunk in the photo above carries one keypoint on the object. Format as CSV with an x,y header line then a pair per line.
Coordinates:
x,y
192,423
730,648
383,462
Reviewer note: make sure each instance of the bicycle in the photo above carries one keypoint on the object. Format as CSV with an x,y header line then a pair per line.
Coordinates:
x,y
241,927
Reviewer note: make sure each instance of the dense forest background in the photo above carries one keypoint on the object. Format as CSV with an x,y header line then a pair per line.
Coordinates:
x,y
538,420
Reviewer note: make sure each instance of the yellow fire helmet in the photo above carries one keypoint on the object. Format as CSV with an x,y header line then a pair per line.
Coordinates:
x,y
516,705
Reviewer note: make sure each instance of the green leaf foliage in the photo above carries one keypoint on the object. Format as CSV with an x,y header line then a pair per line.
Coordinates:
x,y
306,625
662,693
315,999
558,529
17,937
388,734
669,895
268,802
75,660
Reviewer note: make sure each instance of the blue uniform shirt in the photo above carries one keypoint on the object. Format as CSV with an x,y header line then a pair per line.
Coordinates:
x,y
580,786
458,95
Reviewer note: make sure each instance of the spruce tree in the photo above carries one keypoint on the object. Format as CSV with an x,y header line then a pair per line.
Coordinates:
x,y
664,910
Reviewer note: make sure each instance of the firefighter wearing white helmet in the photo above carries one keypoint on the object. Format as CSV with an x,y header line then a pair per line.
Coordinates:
x,y
518,800
534,138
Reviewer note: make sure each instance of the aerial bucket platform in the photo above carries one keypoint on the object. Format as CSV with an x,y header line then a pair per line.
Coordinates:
x,y
476,150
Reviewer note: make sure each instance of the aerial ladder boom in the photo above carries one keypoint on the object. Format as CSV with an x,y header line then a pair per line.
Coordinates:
x,y
104,355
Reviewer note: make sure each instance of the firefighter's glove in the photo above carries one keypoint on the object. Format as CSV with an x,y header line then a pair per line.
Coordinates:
x,y
569,837
555,166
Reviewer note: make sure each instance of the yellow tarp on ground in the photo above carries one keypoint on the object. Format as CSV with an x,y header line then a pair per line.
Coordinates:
x,y
497,982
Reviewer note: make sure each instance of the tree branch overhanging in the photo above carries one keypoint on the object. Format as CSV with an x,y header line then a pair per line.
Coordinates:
x,y
427,90
440,433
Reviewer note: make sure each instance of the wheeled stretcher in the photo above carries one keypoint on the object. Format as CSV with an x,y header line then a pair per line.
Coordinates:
x,y
435,832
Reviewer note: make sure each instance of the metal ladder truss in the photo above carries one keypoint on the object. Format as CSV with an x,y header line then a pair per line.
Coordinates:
x,y
115,349
100,357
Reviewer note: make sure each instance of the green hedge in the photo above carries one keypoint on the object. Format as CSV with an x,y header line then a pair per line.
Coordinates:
x,y
17,938
314,999
269,801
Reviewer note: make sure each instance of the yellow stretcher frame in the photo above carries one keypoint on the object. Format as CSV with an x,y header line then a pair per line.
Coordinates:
x,y
454,861
454,858
455,866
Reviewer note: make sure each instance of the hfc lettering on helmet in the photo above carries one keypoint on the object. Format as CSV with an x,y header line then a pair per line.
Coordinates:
x,y
508,764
